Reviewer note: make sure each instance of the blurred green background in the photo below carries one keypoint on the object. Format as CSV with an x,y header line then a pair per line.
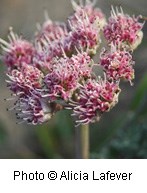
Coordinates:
x,y
121,133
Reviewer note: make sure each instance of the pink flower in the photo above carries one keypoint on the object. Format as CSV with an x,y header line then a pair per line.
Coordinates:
x,y
24,81
85,33
117,64
33,110
63,80
95,98
123,28
82,64
42,57
47,50
80,32
52,31
56,70
53,38
16,52
95,15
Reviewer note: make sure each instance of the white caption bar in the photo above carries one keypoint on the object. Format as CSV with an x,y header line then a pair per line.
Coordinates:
x,y
73,176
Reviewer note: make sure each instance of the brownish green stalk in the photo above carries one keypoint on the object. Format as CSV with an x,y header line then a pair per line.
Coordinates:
x,y
82,141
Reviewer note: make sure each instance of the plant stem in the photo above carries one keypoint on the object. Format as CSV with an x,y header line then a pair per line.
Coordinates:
x,y
82,142
85,141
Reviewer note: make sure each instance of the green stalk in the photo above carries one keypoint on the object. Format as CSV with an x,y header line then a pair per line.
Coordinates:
x,y
82,142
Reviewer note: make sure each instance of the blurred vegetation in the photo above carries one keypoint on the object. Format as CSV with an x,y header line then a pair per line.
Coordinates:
x,y
130,138
56,137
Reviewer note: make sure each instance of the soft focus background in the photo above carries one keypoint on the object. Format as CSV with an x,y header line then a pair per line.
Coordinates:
x,y
121,133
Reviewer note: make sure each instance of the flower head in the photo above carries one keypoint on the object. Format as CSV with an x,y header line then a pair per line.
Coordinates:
x,y
33,110
24,81
56,71
122,28
117,64
49,47
85,33
95,98
65,75
52,31
95,15
16,52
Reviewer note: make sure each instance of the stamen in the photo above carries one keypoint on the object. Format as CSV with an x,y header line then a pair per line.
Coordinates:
x,y
121,10
18,123
12,35
38,26
5,48
46,16
9,99
64,54
74,5
4,42
113,12
12,108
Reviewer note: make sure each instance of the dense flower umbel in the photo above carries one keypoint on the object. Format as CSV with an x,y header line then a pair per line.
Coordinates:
x,y
85,35
118,64
123,28
25,80
53,37
81,31
95,15
17,51
46,49
95,98
85,31
66,74
52,30
56,70
33,109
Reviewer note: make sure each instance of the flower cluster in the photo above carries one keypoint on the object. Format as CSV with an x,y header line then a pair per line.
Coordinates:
x,y
123,29
65,75
56,71
17,52
95,98
117,64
